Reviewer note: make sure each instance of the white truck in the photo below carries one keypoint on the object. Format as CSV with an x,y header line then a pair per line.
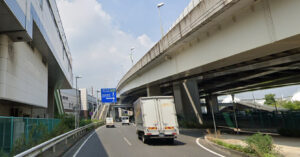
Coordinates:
x,y
109,122
155,118
125,120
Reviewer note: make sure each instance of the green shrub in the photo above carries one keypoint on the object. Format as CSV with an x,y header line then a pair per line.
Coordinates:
x,y
261,144
233,146
84,122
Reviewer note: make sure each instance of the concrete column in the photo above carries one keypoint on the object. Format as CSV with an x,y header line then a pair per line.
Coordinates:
x,y
212,101
192,98
4,54
177,90
153,91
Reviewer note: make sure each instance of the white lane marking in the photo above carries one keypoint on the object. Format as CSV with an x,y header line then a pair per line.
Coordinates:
x,y
127,141
78,150
197,141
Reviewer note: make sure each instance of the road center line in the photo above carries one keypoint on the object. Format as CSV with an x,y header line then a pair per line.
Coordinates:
x,y
127,141
197,141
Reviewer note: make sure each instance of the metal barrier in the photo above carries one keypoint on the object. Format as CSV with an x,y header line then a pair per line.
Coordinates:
x,y
34,151
13,128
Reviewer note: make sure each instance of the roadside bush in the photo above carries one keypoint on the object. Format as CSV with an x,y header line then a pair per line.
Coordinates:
x,y
261,144
233,146
84,122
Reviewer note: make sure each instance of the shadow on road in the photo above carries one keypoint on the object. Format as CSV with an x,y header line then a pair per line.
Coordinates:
x,y
193,132
162,142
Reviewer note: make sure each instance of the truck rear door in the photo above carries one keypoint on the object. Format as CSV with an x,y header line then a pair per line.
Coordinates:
x,y
150,115
167,115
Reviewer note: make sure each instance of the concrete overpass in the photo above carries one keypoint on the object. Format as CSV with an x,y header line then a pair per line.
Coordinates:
x,y
35,59
220,47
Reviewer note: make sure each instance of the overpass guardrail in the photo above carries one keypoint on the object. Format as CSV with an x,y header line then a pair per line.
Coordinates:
x,y
53,143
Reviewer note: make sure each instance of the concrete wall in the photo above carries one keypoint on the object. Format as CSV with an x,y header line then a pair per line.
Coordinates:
x,y
23,75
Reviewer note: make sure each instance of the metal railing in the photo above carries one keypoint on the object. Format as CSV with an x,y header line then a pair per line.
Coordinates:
x,y
34,151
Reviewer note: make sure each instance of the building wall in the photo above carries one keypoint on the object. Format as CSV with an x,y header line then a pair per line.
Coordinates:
x,y
23,75
84,98
68,97
46,16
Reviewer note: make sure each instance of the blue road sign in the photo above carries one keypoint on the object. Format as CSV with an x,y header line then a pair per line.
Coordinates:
x,y
108,95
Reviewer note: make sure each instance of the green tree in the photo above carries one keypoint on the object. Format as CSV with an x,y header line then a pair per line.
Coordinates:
x,y
292,105
270,99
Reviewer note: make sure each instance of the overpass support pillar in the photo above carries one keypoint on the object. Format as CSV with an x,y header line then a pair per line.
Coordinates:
x,y
177,90
187,101
153,91
212,103
192,98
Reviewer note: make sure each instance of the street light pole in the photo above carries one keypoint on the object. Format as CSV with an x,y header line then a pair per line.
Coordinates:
x,y
97,98
161,25
77,115
131,54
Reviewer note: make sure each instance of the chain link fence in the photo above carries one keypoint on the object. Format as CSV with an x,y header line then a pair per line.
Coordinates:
x,y
13,128
259,121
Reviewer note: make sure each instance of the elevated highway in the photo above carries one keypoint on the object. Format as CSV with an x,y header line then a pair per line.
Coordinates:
x,y
220,47
227,45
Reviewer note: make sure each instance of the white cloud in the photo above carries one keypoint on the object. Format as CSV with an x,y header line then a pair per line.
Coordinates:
x,y
145,40
100,50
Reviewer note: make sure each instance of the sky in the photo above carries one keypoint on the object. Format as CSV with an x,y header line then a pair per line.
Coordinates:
x,y
100,34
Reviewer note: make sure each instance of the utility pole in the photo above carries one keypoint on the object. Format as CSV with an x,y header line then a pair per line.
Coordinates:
x,y
234,108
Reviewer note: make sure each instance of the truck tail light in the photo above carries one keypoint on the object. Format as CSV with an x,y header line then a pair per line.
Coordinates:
x,y
148,134
169,128
174,133
152,128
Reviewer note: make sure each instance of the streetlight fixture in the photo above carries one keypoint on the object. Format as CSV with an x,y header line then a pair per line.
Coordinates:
x,y
131,54
77,115
161,25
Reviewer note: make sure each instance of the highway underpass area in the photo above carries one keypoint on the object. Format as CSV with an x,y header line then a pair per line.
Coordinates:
x,y
123,141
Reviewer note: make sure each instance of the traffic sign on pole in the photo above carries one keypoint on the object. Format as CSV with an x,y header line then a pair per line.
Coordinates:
x,y
108,95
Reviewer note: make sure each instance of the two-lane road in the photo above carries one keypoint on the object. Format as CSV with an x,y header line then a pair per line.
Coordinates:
x,y
122,141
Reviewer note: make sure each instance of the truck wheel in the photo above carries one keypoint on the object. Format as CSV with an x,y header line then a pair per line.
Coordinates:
x,y
144,139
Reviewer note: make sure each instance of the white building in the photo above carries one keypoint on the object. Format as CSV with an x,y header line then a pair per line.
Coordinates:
x,y
35,61
88,102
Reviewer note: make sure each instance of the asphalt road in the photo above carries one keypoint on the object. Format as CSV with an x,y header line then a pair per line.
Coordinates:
x,y
122,141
